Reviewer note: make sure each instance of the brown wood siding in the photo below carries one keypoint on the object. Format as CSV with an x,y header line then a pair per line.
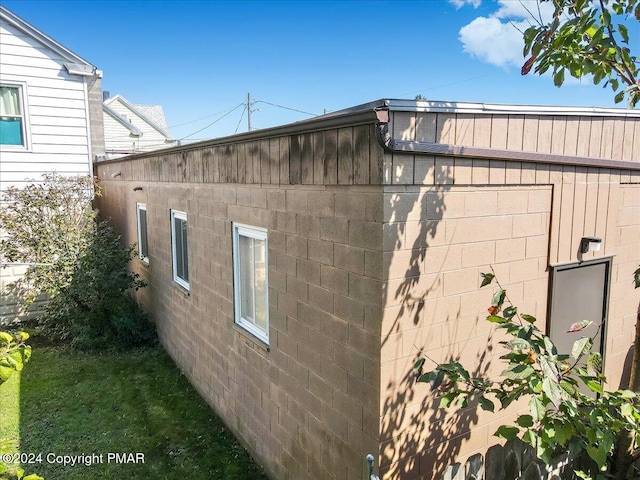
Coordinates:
x,y
345,156
614,138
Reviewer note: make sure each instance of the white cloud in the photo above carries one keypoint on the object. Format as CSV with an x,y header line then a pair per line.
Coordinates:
x,y
493,41
525,9
461,3
497,39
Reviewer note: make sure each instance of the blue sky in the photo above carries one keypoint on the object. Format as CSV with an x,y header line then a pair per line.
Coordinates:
x,y
201,58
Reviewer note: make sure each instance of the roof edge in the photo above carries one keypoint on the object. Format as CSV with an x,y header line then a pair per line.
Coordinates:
x,y
438,106
133,108
119,118
343,118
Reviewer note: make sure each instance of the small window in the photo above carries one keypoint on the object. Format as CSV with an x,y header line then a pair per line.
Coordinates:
x,y
143,243
12,117
180,248
251,289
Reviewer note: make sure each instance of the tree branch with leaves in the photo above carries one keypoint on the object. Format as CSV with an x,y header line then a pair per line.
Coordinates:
x,y
587,38
569,409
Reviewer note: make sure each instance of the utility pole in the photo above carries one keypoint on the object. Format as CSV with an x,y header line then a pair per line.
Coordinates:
x,y
248,112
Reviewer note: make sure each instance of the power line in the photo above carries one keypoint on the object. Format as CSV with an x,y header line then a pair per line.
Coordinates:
x,y
449,84
239,121
215,121
197,119
287,108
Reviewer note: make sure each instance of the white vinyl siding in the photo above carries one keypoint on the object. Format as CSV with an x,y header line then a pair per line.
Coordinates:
x,y
251,288
143,242
55,108
179,248
151,139
118,138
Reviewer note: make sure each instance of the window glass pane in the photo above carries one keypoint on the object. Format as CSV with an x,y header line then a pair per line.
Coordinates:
x,y
177,235
10,102
247,310
260,284
143,247
184,250
10,131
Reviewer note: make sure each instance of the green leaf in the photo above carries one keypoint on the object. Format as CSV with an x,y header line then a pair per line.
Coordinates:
x,y
558,78
486,404
581,347
636,274
619,97
626,410
518,372
498,298
624,33
487,278
529,318
549,346
496,319
553,391
537,409
507,432
594,364
525,421
598,455
595,386
418,364
627,394
446,400
510,312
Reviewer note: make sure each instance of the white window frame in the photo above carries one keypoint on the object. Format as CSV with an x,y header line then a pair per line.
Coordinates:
x,y
24,116
246,323
181,216
143,256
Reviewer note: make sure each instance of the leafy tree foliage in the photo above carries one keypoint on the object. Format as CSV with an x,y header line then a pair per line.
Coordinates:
x,y
587,37
47,226
78,262
14,353
569,409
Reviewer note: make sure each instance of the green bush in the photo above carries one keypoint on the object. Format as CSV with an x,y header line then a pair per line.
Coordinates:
x,y
97,310
78,262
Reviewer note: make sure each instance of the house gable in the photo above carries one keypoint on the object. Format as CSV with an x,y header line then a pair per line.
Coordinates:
x,y
57,92
146,123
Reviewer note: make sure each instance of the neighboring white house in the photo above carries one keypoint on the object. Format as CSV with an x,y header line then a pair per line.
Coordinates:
x,y
130,128
50,115
50,106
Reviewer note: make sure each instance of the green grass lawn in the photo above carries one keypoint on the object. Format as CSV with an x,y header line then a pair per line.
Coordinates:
x,y
71,403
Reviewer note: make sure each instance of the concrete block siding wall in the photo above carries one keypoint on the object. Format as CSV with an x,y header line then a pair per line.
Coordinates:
x,y
308,405
374,256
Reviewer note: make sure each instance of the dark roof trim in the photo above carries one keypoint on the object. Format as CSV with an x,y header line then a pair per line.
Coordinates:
x,y
344,118
121,120
448,150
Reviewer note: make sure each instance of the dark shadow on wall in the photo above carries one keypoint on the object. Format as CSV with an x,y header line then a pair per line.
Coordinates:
x,y
419,440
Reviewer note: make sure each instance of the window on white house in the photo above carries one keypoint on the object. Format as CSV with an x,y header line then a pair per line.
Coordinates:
x,y
143,243
251,289
12,117
179,248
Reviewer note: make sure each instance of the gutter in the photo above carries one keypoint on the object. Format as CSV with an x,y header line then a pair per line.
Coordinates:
x,y
393,145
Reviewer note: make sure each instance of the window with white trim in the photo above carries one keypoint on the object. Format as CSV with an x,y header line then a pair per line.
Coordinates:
x,y
12,117
143,243
179,248
250,280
